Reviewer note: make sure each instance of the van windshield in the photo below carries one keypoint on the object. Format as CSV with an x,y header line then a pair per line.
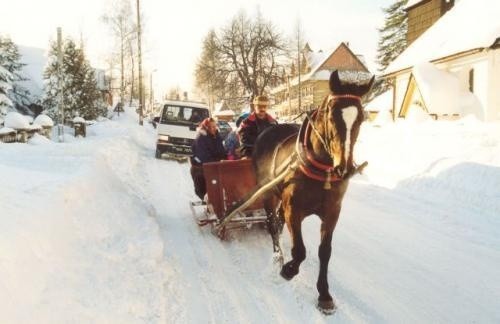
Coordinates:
x,y
183,115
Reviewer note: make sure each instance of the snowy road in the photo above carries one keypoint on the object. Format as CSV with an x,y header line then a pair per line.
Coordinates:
x,y
113,239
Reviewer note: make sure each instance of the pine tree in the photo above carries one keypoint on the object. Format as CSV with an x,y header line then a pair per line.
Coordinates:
x,y
5,86
392,40
80,94
393,35
10,59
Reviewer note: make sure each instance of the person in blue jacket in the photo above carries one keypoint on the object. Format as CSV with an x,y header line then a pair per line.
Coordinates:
x,y
232,141
207,147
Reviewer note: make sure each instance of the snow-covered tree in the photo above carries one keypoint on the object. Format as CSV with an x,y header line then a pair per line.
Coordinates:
x,y
392,38
393,34
80,93
5,87
10,60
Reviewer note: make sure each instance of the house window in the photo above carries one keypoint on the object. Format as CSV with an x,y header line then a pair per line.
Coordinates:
x,y
471,80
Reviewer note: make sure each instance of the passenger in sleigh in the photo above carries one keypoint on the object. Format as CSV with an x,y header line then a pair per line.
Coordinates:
x,y
255,124
232,141
207,147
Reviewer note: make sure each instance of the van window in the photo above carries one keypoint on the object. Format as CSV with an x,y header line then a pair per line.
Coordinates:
x,y
183,115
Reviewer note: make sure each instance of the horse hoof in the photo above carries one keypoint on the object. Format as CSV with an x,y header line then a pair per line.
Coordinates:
x,y
327,307
288,272
278,259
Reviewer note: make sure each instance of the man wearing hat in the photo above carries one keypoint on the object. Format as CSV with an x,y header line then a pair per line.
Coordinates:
x,y
254,124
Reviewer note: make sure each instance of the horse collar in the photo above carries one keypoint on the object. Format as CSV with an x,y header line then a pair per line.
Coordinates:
x,y
345,96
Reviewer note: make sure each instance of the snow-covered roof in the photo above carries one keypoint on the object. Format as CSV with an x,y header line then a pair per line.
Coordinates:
x,y
6,130
471,24
35,127
228,112
221,106
411,3
78,119
442,93
315,61
29,118
43,120
16,120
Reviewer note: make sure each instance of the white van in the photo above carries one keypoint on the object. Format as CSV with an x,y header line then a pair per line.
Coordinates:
x,y
177,128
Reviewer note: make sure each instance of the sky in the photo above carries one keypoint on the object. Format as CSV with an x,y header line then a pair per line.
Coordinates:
x,y
174,29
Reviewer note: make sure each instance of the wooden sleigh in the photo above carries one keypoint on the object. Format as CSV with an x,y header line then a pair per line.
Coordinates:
x,y
228,184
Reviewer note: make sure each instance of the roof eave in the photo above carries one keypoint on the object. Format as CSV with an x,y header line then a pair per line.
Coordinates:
x,y
439,60
416,5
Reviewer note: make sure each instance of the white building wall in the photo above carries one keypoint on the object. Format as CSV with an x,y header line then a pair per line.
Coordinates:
x,y
494,85
481,78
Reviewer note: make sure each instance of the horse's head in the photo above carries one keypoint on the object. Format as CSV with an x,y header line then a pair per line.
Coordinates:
x,y
342,114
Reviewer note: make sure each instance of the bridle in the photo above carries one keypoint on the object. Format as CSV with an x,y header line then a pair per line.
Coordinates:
x,y
311,167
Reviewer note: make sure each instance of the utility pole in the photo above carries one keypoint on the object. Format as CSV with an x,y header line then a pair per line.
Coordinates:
x,y
60,128
122,67
298,65
151,94
141,98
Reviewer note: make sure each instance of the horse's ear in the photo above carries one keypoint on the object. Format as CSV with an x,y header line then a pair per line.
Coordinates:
x,y
369,85
335,82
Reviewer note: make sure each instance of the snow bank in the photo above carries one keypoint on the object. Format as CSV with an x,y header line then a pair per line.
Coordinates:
x,y
43,120
383,117
86,247
382,102
443,94
15,120
416,114
38,139
105,238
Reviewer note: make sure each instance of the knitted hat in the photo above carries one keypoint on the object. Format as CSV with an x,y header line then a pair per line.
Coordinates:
x,y
204,124
241,118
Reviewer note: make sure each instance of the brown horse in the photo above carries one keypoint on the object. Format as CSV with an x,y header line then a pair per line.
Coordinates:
x,y
321,154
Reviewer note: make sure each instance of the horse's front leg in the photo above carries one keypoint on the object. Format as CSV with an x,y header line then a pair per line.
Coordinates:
x,y
325,300
294,224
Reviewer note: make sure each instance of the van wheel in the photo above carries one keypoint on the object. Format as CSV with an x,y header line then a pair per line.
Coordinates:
x,y
158,154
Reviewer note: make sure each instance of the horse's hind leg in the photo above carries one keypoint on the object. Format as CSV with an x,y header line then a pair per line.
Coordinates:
x,y
273,226
294,224
325,300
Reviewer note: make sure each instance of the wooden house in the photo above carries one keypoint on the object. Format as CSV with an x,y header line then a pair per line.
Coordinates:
x,y
453,68
315,71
